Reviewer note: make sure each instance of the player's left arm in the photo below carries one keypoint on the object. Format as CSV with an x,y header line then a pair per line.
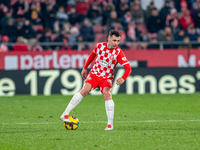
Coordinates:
x,y
121,58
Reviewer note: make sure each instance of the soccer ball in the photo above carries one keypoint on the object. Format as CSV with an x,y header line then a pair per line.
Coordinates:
x,y
73,125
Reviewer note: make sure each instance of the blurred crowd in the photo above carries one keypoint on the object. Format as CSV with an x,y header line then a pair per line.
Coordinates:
x,y
29,22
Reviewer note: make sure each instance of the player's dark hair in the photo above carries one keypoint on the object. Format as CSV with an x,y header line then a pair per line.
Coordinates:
x,y
115,33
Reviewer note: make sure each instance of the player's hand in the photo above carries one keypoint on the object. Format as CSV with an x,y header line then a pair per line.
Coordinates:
x,y
84,73
119,81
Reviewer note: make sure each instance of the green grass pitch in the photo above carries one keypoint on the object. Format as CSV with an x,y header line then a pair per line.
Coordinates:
x,y
146,122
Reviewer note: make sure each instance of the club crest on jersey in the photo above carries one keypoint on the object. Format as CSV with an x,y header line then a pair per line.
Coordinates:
x,y
112,57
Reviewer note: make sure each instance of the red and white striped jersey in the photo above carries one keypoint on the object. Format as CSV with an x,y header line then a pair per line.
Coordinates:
x,y
107,60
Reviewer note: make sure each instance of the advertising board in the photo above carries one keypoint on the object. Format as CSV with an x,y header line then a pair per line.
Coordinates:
x,y
69,81
76,59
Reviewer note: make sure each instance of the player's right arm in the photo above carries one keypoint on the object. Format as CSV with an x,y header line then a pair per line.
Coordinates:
x,y
89,60
84,73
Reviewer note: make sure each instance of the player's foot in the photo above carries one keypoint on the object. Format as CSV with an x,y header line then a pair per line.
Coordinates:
x,y
65,118
109,127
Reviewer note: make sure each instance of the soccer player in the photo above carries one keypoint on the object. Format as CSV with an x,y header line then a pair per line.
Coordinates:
x,y
107,55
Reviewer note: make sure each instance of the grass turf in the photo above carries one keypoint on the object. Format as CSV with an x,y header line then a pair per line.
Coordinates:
x,y
156,122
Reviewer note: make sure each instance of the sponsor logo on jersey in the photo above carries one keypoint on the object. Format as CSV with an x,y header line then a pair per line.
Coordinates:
x,y
124,58
104,63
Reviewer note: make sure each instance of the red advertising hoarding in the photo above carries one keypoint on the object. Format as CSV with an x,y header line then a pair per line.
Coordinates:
x,y
76,59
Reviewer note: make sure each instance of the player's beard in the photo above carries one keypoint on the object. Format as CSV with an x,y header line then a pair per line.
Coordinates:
x,y
114,46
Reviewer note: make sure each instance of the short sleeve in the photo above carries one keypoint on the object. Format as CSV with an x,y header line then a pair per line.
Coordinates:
x,y
121,58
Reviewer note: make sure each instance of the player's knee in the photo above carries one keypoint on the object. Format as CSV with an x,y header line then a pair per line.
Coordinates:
x,y
86,89
84,92
107,95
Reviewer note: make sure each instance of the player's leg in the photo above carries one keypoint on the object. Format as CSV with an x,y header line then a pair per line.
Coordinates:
x,y
90,83
106,89
76,99
109,105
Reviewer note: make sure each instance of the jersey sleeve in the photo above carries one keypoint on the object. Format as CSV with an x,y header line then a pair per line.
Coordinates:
x,y
124,62
95,49
127,71
91,57
121,58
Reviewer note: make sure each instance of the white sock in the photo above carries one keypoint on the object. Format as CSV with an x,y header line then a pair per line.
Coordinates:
x,y
109,105
76,99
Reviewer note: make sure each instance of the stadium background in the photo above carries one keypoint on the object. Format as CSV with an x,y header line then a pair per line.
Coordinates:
x,y
159,37
45,54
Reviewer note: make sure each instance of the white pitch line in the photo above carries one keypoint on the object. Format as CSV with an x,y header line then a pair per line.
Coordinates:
x,y
24,123
90,122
